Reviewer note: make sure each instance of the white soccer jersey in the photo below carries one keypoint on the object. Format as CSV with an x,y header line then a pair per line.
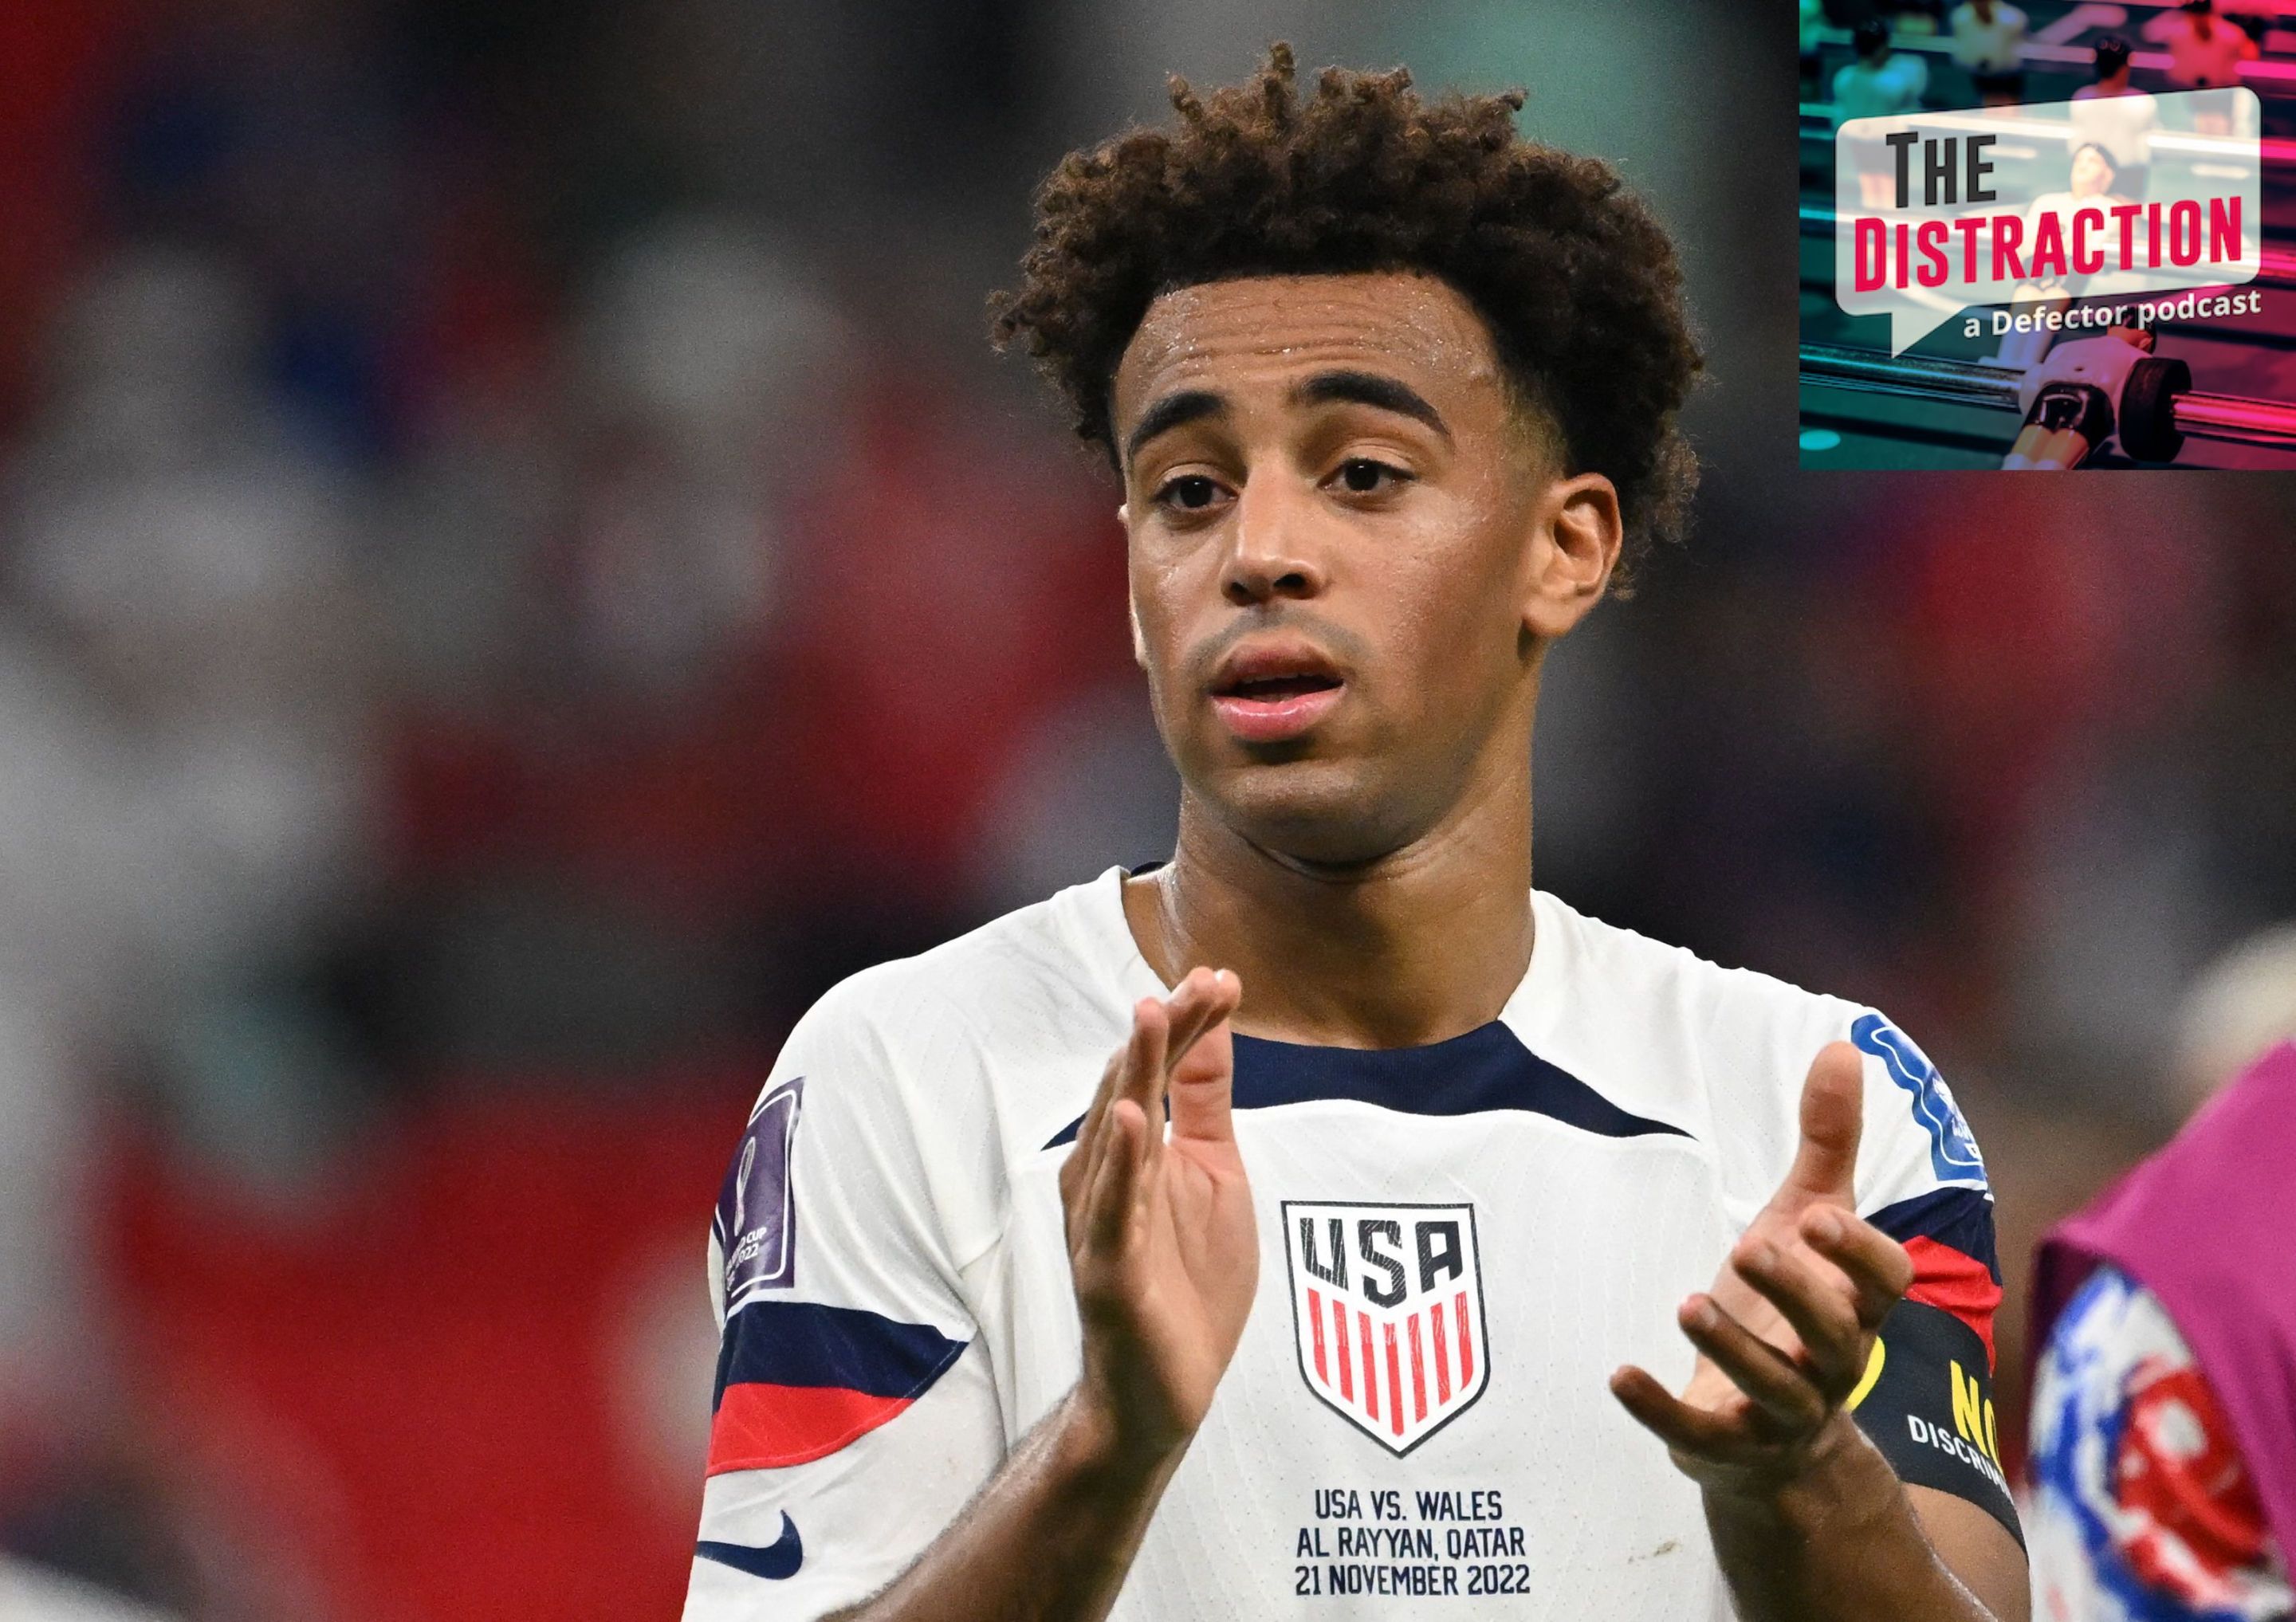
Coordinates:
x,y
1459,1242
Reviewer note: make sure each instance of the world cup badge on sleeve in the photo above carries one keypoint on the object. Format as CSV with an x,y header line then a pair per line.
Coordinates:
x,y
757,1215
1387,1309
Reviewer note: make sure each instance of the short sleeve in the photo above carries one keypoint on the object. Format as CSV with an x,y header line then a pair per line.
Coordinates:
x,y
854,1413
1926,1400
2142,1505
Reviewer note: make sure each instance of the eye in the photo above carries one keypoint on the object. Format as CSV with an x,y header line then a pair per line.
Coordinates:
x,y
1361,476
1189,493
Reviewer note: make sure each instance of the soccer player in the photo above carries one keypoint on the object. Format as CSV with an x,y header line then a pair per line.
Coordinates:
x,y
1322,1221
2121,120
2204,52
1988,43
1881,82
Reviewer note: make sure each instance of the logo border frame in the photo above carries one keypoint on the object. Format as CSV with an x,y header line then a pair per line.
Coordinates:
x,y
1482,1304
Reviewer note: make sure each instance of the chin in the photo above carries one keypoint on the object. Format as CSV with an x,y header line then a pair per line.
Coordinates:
x,y
1326,813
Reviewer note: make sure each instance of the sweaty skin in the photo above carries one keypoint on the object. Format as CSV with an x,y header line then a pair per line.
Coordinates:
x,y
1332,472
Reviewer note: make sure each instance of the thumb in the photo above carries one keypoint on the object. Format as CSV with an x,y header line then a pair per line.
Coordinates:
x,y
1832,1115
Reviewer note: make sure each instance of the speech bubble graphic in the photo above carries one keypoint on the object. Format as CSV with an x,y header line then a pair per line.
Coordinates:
x,y
2105,198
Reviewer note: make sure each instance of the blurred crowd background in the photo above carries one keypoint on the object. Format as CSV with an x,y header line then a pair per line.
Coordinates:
x,y
517,570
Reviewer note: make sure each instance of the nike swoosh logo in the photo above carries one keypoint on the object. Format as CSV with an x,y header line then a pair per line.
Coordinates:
x,y
777,1560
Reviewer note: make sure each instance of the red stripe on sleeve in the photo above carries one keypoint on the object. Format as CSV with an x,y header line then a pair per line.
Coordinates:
x,y
1954,1281
766,1427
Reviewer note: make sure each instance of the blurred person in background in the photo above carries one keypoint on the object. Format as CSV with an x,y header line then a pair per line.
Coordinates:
x,y
1988,44
182,693
1813,24
1364,495
1913,16
2205,51
2090,179
2163,1449
1880,82
30,1594
2122,120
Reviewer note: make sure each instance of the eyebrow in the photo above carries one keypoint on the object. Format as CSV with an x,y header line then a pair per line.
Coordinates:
x,y
1325,388
1171,411
1369,389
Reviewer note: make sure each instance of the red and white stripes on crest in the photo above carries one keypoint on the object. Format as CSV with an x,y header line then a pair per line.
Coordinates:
x,y
1429,1347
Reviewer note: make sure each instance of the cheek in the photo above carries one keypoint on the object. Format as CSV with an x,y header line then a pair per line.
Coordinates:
x,y
1448,612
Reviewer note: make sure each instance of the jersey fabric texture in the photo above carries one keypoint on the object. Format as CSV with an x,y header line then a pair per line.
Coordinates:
x,y
2142,1508
1458,1243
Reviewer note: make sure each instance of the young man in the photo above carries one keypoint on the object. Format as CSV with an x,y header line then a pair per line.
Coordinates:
x,y
1322,1221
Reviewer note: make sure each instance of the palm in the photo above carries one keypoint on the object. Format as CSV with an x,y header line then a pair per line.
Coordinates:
x,y
1824,1173
1784,1336
1198,1263
1162,1241
1779,1224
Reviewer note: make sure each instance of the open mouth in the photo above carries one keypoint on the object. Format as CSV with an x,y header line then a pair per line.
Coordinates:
x,y
1274,695
1269,687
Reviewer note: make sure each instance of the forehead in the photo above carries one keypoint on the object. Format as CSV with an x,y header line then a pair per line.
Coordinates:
x,y
1229,336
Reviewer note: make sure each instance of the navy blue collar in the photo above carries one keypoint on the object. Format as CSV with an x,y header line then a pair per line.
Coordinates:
x,y
1487,1068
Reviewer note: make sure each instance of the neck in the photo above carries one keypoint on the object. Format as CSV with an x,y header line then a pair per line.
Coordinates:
x,y
1423,944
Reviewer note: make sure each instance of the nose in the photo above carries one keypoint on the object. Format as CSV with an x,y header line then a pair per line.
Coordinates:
x,y
1270,553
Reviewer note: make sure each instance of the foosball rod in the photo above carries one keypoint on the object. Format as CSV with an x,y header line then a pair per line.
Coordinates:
x,y
2229,418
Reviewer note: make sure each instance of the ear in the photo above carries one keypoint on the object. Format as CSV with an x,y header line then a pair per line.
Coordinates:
x,y
1572,555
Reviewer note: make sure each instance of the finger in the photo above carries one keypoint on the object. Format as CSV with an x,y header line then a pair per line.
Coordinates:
x,y
1116,1181
1203,1082
1703,1431
1820,1311
1079,1171
1145,1071
1833,1113
1877,1267
1194,1006
1779,1390
1121,1063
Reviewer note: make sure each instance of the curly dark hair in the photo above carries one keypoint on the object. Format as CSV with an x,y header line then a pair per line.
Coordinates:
x,y
1575,278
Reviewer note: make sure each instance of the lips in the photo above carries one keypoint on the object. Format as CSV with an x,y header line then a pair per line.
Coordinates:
x,y
1274,692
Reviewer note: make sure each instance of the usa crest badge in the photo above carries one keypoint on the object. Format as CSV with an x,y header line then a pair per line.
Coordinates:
x,y
1387,1310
